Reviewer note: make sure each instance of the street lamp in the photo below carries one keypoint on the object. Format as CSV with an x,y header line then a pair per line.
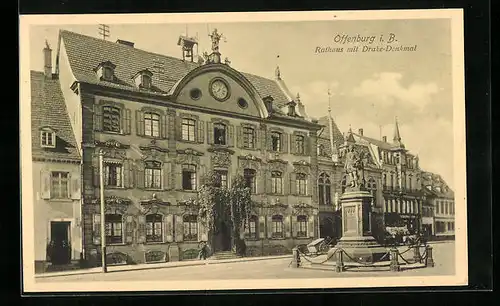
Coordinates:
x,y
103,219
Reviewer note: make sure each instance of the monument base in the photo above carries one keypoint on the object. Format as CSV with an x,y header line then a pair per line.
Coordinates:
x,y
364,249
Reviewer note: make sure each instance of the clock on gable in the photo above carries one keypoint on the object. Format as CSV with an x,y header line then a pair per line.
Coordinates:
x,y
219,89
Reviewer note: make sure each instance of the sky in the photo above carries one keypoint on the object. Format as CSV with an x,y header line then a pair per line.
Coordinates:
x,y
368,89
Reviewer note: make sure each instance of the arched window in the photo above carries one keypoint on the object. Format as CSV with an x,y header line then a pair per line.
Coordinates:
x,y
154,228
251,230
249,176
276,141
299,144
277,226
301,226
114,228
321,150
276,182
324,189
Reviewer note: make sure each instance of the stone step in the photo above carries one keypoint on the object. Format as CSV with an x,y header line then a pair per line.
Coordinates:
x,y
225,255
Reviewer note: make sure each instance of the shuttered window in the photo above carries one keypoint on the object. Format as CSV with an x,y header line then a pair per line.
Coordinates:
x,y
152,175
59,185
248,138
251,230
276,182
154,228
277,226
188,129
111,119
114,228
301,181
113,175
301,226
152,124
190,223
249,176
276,141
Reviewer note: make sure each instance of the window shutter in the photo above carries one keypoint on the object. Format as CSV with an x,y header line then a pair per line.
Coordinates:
x,y
230,135
169,228
129,229
307,145
310,226
210,133
268,183
284,143
96,176
293,148
141,231
97,117
139,176
178,177
45,184
260,139
293,184
269,141
75,186
171,125
260,184
239,137
295,226
167,172
178,128
262,227
269,227
125,174
126,121
96,229
287,227
310,185
139,120
179,228
164,127
200,131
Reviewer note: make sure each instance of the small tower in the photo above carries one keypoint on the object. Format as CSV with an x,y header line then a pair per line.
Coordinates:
x,y
187,45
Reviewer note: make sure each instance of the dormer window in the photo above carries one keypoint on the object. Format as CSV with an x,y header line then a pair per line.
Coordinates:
x,y
47,138
106,71
143,79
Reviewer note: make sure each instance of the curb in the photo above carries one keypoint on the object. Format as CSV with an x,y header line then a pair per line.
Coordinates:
x,y
112,269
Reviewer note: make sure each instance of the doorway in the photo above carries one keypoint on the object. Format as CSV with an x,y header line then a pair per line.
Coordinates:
x,y
223,237
60,244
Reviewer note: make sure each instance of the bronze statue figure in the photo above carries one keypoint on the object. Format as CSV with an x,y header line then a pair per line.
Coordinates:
x,y
354,167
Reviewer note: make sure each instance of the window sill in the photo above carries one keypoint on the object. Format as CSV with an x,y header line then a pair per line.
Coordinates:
x,y
153,189
113,187
110,132
60,199
154,242
152,137
188,141
116,244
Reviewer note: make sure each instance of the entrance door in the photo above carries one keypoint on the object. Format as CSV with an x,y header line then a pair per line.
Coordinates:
x,y
223,237
60,243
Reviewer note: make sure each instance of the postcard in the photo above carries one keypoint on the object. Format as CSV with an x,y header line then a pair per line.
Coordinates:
x,y
209,151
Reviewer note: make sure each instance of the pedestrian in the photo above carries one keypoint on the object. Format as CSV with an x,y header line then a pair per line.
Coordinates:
x,y
203,254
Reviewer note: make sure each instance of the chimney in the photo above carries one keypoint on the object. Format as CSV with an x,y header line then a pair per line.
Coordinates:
x,y
384,138
360,132
47,60
125,43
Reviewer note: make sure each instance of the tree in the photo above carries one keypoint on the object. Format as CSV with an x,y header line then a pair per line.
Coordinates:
x,y
232,206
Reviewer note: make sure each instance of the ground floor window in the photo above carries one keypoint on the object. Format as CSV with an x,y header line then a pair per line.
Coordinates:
x,y
277,226
301,226
154,228
114,229
252,227
190,227
440,227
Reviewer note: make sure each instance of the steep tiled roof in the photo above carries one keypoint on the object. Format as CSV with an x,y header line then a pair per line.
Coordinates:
x,y
49,110
435,180
338,138
85,53
379,143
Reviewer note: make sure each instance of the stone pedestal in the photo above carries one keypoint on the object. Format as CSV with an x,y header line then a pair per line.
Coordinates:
x,y
357,240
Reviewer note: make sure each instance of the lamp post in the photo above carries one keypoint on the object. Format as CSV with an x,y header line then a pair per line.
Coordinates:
x,y
103,219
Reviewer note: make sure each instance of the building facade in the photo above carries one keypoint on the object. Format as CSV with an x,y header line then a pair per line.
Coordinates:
x,y
162,123
440,206
56,174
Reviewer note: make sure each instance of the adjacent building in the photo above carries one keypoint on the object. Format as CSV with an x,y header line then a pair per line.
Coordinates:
x,y
162,123
439,207
56,174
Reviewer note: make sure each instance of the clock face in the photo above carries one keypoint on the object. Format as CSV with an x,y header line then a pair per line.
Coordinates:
x,y
219,90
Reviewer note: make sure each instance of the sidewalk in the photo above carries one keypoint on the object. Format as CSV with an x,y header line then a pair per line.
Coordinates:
x,y
174,264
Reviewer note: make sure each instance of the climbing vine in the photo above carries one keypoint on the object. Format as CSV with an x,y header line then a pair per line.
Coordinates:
x,y
231,206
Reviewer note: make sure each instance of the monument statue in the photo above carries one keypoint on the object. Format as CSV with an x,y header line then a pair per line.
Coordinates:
x,y
354,167
216,37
